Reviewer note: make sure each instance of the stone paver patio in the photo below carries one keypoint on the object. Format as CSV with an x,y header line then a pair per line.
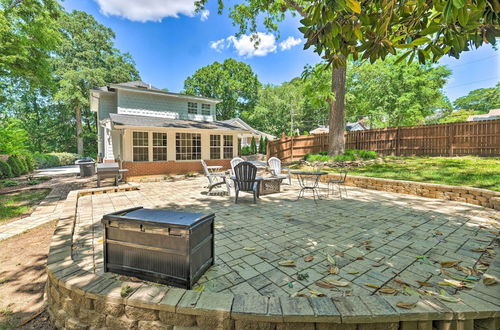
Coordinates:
x,y
375,238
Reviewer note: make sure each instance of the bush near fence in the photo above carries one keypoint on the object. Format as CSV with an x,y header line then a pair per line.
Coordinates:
x,y
477,138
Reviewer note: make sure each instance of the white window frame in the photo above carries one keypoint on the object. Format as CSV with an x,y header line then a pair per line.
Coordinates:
x,y
190,108
140,146
159,147
182,136
206,111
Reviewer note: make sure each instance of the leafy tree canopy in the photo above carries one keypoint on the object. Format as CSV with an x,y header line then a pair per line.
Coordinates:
x,y
232,81
12,137
457,116
482,100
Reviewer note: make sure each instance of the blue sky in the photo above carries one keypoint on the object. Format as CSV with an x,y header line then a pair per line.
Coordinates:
x,y
168,49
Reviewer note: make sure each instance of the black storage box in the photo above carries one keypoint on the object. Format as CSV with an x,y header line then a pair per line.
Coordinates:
x,y
159,245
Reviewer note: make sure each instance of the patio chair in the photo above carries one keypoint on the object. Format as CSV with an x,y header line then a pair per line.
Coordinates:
x,y
235,161
245,179
277,171
215,179
339,183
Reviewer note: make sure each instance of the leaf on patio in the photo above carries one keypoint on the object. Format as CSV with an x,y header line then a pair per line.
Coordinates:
x,y
401,282
406,305
491,252
287,263
339,253
249,249
353,273
303,276
478,250
359,258
473,278
387,290
489,280
324,284
368,247
448,298
371,285
437,232
424,259
422,283
333,270
330,259
315,293
339,283
411,292
298,294
455,283
388,232
199,288
448,264
308,258
366,242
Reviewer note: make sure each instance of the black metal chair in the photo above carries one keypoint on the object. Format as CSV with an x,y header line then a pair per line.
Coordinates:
x,y
340,183
245,179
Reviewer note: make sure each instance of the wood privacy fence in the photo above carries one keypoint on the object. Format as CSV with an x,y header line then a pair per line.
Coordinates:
x,y
479,138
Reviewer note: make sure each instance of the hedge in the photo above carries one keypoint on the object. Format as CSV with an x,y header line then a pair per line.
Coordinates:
x,y
5,170
55,159
16,165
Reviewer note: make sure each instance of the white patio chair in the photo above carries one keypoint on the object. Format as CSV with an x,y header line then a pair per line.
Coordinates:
x,y
215,178
235,161
277,171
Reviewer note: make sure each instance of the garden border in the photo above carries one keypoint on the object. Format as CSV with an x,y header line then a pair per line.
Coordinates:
x,y
79,299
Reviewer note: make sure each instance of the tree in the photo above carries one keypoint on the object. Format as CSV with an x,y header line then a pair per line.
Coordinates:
x,y
12,137
482,100
253,146
261,145
29,35
231,81
86,59
457,116
370,30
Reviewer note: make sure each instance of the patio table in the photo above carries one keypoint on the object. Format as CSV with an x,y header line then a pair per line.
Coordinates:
x,y
309,180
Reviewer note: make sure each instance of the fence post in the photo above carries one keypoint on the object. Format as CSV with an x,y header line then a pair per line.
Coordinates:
x,y
451,134
291,148
398,141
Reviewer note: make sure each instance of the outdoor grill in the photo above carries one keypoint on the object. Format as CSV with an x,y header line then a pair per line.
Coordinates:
x,y
159,245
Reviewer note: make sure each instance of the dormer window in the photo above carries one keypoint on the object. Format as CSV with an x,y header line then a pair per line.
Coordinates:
x,y
192,108
205,109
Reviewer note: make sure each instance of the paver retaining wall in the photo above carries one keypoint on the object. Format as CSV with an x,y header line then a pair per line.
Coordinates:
x,y
80,299
476,196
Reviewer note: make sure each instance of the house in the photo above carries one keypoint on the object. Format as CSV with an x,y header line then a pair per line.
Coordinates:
x,y
356,126
246,138
493,114
151,131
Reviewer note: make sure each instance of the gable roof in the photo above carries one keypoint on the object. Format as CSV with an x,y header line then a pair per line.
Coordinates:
x,y
147,121
239,122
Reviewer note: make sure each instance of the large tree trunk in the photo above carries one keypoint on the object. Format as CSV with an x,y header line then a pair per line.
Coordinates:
x,y
79,130
336,117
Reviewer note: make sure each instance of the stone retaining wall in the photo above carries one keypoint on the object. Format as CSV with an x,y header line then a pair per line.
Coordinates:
x,y
80,299
476,196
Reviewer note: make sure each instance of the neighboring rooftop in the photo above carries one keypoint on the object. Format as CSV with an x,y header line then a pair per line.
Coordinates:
x,y
239,122
147,121
493,114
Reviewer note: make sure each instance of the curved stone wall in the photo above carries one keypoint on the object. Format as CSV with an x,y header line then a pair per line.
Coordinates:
x,y
81,299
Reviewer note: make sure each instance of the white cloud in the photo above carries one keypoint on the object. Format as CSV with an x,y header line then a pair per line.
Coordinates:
x,y
219,45
204,15
289,42
148,10
246,44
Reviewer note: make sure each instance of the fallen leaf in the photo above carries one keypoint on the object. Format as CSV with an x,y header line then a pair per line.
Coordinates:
x,y
339,283
448,264
339,254
406,305
491,252
324,284
478,250
448,298
371,285
199,288
353,273
333,270
366,242
308,258
437,232
315,293
330,259
359,258
302,277
249,249
368,247
458,284
411,292
287,263
387,290
401,282
489,280
298,294
424,283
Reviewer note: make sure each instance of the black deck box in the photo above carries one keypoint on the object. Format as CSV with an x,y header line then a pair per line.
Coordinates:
x,y
159,245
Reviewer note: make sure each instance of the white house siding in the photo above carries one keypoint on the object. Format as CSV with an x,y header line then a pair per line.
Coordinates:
x,y
130,102
107,105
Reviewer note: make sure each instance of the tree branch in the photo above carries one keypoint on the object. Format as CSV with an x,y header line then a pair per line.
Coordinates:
x,y
297,7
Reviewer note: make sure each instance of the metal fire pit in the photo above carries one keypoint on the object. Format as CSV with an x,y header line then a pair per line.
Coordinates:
x,y
159,245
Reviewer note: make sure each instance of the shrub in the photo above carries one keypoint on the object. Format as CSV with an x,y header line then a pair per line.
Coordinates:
x,y
17,167
5,170
65,158
246,150
253,146
10,183
261,146
30,163
55,159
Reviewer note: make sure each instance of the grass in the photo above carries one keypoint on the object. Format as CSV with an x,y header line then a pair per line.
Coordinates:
x,y
456,171
16,204
348,155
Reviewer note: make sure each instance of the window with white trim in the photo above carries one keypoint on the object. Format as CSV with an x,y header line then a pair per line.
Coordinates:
x,y
187,146
159,146
193,108
228,147
140,146
215,146
205,109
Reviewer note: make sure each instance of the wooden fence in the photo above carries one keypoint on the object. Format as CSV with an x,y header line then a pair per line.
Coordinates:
x,y
479,138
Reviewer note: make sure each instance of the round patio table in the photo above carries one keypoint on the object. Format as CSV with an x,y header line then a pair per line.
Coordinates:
x,y
309,180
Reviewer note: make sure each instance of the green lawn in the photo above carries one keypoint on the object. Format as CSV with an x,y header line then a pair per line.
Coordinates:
x,y
16,204
458,171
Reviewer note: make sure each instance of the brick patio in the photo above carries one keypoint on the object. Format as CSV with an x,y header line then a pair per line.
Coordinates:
x,y
375,237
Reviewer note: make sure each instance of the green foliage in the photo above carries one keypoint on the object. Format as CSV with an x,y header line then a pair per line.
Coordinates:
x,y
13,138
9,183
262,149
348,155
29,161
253,146
246,150
457,116
265,145
5,170
16,165
481,100
54,159
13,205
231,81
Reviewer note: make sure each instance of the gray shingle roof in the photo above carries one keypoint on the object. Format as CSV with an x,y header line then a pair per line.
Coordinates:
x,y
145,121
239,122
